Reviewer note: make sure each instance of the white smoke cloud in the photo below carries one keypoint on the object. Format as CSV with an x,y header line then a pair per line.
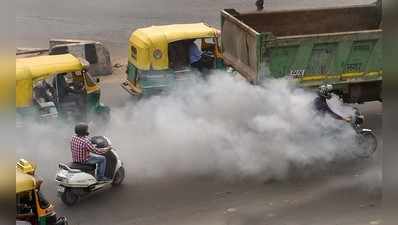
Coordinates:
x,y
222,127
229,128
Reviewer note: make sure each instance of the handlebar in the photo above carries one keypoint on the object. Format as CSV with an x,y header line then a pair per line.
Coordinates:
x,y
102,143
355,120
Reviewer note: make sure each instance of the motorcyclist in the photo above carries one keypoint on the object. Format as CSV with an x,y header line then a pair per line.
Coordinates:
x,y
83,151
321,105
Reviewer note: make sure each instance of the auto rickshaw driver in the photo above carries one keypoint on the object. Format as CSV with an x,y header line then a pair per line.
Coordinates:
x,y
203,61
77,84
71,89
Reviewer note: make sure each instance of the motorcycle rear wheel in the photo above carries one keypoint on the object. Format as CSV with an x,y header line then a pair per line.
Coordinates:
x,y
367,142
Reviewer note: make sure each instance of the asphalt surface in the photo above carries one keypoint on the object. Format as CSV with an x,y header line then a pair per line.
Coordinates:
x,y
340,193
113,21
336,193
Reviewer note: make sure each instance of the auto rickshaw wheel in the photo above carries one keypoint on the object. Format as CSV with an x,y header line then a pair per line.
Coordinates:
x,y
69,197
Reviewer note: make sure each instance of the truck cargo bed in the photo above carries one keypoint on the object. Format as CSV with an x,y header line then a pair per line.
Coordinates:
x,y
339,45
312,21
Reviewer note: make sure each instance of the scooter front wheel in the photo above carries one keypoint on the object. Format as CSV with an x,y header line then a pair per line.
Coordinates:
x,y
119,177
367,142
69,197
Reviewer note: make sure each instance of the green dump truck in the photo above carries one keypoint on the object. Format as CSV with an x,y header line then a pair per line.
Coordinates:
x,y
340,46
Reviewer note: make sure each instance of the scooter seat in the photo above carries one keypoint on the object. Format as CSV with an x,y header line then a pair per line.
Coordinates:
x,y
82,166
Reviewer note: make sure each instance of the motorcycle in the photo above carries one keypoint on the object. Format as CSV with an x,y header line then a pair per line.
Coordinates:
x,y
366,139
76,179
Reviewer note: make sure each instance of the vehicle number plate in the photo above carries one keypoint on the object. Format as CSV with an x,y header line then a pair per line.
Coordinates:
x,y
296,74
60,189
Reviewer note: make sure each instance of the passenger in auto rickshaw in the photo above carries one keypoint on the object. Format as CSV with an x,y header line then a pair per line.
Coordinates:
x,y
43,92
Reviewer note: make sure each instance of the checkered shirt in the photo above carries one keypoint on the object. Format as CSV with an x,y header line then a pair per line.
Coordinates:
x,y
81,148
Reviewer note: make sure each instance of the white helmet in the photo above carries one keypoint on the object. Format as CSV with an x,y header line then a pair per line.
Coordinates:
x,y
325,90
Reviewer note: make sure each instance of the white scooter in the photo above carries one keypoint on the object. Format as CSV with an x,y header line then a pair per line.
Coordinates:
x,y
76,179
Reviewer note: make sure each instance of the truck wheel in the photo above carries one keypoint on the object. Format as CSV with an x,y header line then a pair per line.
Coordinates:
x,y
69,197
119,177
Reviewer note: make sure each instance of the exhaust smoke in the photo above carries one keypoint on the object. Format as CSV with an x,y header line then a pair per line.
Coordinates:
x,y
221,127
229,128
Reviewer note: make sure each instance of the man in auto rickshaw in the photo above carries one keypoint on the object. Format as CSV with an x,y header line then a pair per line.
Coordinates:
x,y
31,206
197,59
161,56
72,92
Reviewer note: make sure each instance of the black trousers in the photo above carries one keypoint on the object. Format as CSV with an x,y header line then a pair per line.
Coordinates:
x,y
198,65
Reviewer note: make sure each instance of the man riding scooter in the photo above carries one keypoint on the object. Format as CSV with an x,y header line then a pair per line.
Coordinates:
x,y
81,177
83,151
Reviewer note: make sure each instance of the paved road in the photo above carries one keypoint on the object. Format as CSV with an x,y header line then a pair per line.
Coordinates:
x,y
339,193
344,193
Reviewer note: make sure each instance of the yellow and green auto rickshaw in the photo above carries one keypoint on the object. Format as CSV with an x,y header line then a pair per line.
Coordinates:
x,y
31,206
158,56
57,84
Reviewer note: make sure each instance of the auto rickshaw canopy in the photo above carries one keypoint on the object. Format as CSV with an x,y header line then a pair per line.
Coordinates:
x,y
24,182
32,69
149,46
